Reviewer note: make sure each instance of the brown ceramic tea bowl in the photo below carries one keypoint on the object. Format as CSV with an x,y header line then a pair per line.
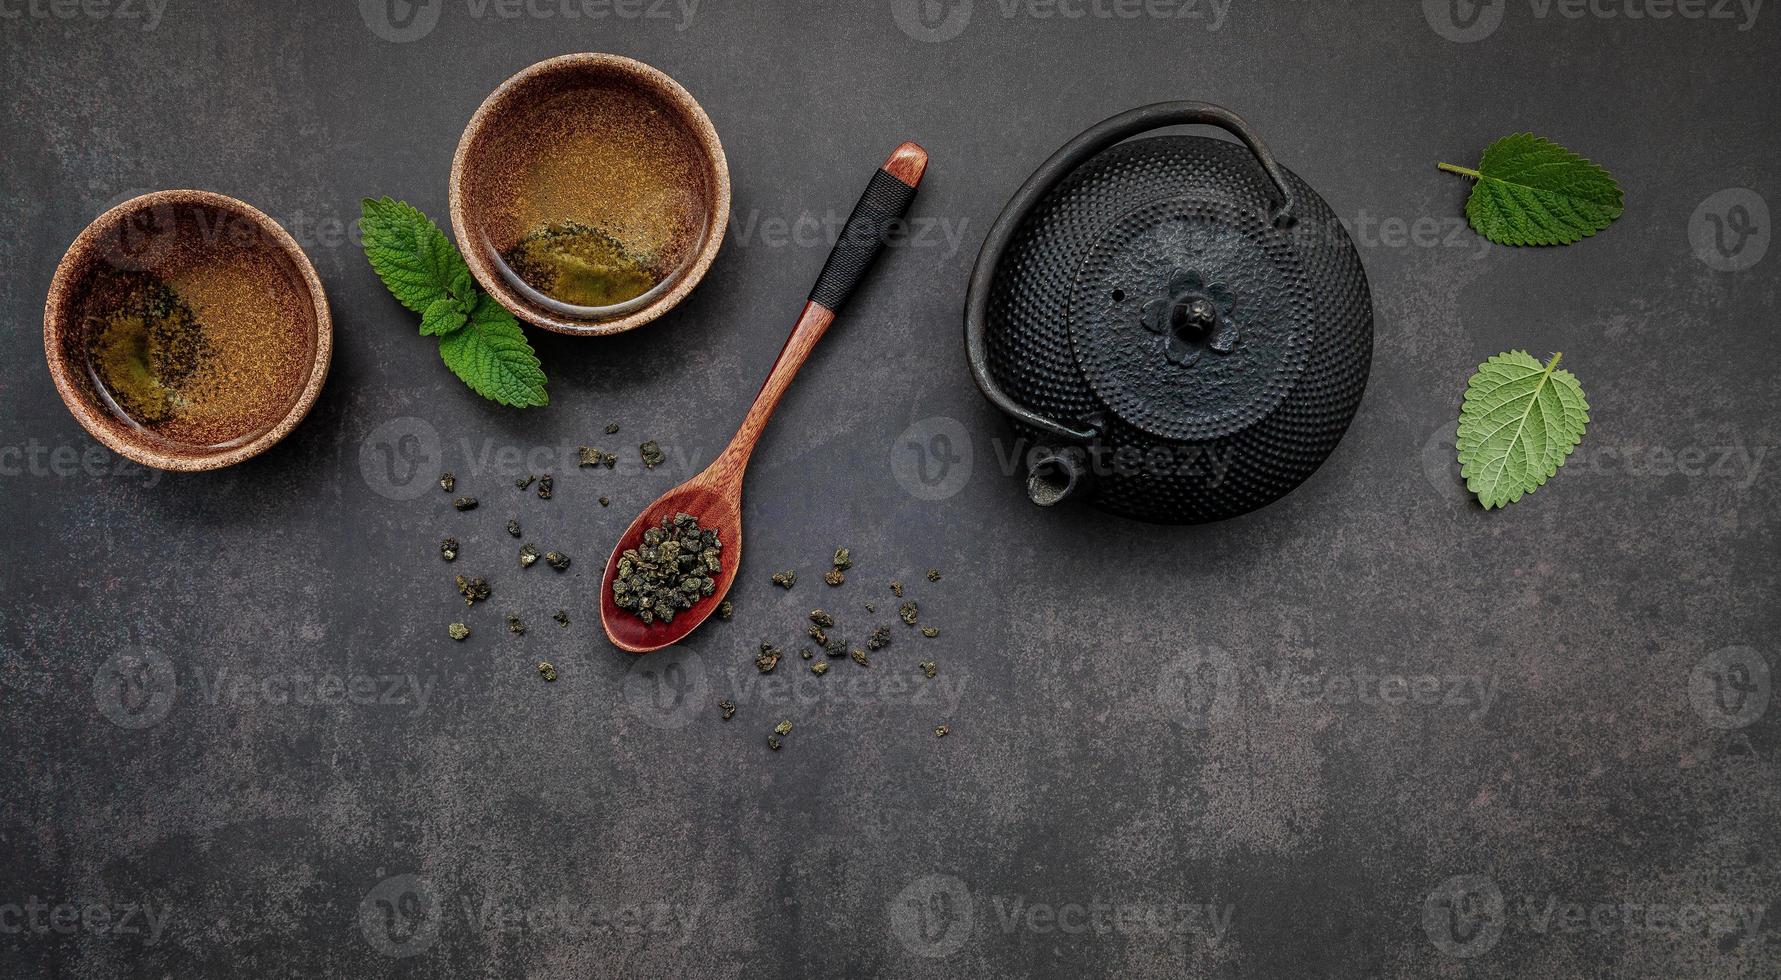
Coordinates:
x,y
186,330
589,194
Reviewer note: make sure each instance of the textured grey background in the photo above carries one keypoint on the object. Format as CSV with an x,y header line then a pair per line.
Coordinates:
x,y
1128,788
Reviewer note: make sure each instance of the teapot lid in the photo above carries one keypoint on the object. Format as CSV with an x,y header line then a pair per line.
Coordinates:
x,y
1189,316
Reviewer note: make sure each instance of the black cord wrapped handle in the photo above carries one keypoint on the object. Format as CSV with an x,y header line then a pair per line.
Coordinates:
x,y
874,219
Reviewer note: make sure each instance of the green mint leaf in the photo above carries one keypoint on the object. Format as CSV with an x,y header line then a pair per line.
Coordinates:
x,y
411,255
442,316
1519,421
491,354
1531,191
463,289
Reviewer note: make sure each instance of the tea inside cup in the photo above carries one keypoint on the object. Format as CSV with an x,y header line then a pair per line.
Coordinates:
x,y
589,193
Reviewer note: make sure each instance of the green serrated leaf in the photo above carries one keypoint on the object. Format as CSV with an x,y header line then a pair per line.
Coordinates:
x,y
442,316
1532,191
415,260
1519,421
491,354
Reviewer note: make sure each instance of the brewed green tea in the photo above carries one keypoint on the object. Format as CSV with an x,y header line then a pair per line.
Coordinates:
x,y
202,350
589,204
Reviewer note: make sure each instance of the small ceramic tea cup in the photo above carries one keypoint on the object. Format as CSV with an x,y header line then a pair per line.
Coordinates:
x,y
186,330
589,194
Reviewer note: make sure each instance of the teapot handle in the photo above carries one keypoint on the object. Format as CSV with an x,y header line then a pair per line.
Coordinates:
x,y
1074,153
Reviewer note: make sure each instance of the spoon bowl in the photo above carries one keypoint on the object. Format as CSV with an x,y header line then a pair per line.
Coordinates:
x,y
708,498
714,497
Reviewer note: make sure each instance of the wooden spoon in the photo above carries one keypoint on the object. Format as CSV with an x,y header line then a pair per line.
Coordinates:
x,y
715,495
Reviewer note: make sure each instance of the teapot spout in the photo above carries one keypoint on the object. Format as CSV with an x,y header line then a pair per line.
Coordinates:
x,y
1056,475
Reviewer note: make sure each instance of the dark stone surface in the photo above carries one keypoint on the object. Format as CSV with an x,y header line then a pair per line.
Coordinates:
x,y
611,825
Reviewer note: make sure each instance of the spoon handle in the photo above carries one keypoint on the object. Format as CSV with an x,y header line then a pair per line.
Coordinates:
x,y
874,218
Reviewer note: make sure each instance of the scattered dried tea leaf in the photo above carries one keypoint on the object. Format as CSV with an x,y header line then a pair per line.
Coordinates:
x,y
728,707
589,456
930,631
472,589
464,503
785,580
612,428
805,653
524,481
783,728
818,634
879,638
859,657
726,610
929,667
544,487
843,558
768,659
515,625
457,631
606,501
897,589
836,646
834,576
556,560
527,555
907,611
448,549
547,670
871,608
513,528
821,618
447,482
652,454
562,618
819,668
933,575
940,731
611,460
773,742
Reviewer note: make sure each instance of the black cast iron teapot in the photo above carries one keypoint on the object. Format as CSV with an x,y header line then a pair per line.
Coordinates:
x,y
1179,325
